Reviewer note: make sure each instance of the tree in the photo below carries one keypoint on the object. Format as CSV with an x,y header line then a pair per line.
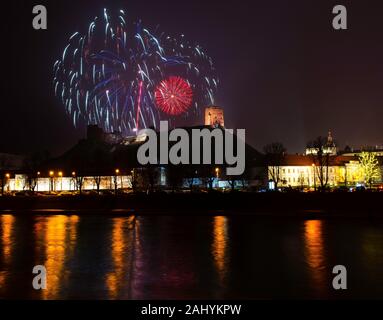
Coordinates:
x,y
3,181
175,176
370,167
79,183
97,181
274,154
115,182
231,180
208,175
32,181
190,174
321,159
4,163
31,164
134,179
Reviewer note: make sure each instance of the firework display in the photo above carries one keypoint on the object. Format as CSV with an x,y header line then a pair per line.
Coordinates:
x,y
174,96
123,77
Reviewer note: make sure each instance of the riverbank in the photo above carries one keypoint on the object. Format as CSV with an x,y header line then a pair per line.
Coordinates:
x,y
364,204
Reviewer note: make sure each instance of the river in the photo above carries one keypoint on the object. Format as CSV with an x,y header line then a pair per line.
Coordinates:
x,y
188,257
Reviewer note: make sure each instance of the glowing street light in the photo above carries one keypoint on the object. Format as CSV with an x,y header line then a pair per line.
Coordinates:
x,y
117,171
74,180
37,181
7,175
51,174
217,172
61,180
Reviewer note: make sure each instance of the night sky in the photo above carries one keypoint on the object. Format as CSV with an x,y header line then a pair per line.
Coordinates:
x,y
286,75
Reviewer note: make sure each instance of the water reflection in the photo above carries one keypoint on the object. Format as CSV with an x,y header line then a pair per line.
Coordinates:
x,y
219,246
7,221
56,240
118,280
315,255
163,257
166,257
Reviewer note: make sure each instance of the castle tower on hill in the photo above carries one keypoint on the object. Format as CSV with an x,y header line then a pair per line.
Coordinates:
x,y
214,116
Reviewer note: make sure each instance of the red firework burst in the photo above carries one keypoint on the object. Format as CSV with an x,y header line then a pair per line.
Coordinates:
x,y
173,96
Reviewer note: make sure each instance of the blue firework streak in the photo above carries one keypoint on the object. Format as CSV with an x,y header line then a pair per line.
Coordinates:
x,y
108,75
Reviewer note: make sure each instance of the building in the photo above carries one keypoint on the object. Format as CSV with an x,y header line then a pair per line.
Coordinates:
x,y
377,150
214,116
105,161
301,171
338,168
330,147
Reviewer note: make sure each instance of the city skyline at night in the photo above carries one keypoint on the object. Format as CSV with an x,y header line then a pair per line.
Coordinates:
x,y
193,158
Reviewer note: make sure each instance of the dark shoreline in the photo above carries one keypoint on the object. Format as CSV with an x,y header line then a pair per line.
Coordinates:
x,y
306,205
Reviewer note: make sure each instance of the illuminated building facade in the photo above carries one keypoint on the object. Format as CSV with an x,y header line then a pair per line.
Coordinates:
x,y
330,148
301,171
342,169
96,159
19,182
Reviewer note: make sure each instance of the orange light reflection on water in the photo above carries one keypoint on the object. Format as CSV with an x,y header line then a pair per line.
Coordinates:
x,y
315,255
7,223
219,246
121,245
56,236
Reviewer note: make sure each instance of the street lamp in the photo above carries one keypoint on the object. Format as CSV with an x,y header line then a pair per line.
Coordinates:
x,y
7,175
51,175
117,171
37,180
61,180
74,180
